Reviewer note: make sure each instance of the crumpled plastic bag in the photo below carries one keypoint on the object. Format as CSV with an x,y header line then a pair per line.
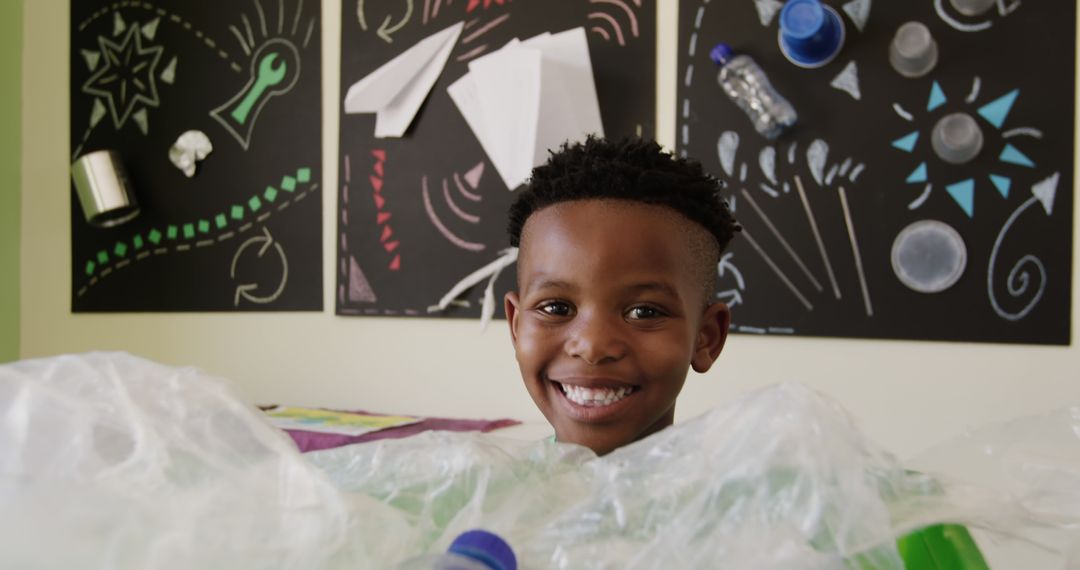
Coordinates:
x,y
110,461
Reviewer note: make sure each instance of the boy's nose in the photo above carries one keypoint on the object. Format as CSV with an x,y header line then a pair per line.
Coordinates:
x,y
596,340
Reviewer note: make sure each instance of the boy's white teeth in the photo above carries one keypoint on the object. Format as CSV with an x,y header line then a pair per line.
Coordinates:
x,y
583,396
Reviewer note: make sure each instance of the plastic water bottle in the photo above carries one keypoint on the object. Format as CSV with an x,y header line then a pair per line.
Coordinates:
x,y
472,550
746,84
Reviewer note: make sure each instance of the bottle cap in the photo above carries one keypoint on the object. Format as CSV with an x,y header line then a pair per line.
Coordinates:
x,y
811,33
485,547
913,52
957,138
972,7
721,53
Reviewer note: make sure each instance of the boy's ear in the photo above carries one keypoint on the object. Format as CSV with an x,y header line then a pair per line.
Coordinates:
x,y
510,305
711,336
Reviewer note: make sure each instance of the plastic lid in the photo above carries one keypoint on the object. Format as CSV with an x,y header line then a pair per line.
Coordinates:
x,y
721,53
485,547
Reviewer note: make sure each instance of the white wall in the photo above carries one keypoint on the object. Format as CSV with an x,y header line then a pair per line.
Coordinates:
x,y
908,394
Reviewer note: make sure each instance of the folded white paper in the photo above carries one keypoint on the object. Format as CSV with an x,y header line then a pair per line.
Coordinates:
x,y
528,98
395,91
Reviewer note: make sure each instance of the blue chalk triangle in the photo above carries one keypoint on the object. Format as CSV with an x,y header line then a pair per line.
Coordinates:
x,y
937,97
964,194
997,110
1002,184
917,175
1013,156
907,142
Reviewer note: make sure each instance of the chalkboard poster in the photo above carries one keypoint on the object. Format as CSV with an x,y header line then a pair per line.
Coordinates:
x,y
854,224
159,83
420,213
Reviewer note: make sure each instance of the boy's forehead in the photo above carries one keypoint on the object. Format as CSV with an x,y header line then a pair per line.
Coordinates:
x,y
598,214
607,229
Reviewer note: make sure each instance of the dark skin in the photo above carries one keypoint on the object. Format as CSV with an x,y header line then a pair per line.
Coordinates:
x,y
609,315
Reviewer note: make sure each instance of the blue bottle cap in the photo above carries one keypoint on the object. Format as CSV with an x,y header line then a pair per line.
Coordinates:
x,y
811,34
485,547
721,53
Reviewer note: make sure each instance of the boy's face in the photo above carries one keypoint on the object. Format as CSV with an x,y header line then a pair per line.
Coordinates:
x,y
610,313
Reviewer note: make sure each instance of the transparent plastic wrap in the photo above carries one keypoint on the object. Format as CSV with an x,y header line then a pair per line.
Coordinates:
x,y
109,461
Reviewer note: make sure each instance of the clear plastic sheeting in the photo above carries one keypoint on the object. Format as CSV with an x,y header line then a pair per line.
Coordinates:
x,y
109,461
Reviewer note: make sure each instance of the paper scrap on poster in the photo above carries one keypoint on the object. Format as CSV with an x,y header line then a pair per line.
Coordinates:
x,y
325,421
529,98
396,90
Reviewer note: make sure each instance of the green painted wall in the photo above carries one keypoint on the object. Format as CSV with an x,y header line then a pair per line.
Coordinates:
x,y
10,186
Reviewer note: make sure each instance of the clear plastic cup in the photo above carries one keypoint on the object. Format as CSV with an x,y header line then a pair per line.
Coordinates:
x,y
913,52
957,138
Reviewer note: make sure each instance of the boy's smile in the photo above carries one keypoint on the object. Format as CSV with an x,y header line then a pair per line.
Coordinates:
x,y
611,312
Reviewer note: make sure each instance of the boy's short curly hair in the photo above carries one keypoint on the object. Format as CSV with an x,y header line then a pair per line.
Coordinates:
x,y
631,169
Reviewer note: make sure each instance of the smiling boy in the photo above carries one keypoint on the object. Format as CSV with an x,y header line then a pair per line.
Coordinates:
x,y
619,243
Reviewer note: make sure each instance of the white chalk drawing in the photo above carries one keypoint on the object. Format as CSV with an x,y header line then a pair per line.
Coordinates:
x,y
1004,9
1022,131
275,70
767,162
831,175
928,256
791,152
918,202
903,113
859,12
726,266
769,190
845,166
247,290
855,252
976,86
128,77
817,236
856,172
388,27
730,297
767,10
1020,277
783,242
816,156
776,269
742,172
725,148
939,7
848,81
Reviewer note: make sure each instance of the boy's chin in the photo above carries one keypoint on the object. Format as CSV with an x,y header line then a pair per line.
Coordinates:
x,y
600,441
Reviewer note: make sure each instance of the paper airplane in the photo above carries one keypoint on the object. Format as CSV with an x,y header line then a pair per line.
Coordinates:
x,y
528,98
395,91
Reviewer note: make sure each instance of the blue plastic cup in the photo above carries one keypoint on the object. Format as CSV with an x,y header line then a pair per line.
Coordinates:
x,y
811,33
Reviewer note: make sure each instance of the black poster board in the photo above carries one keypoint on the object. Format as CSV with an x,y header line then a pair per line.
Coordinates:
x,y
833,260
399,253
242,234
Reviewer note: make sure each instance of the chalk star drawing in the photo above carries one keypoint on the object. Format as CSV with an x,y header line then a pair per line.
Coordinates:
x,y
127,77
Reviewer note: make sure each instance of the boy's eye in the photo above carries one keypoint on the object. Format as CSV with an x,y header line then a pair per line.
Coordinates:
x,y
556,309
643,312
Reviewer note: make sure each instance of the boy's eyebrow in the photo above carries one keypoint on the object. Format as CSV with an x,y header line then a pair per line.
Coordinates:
x,y
551,283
